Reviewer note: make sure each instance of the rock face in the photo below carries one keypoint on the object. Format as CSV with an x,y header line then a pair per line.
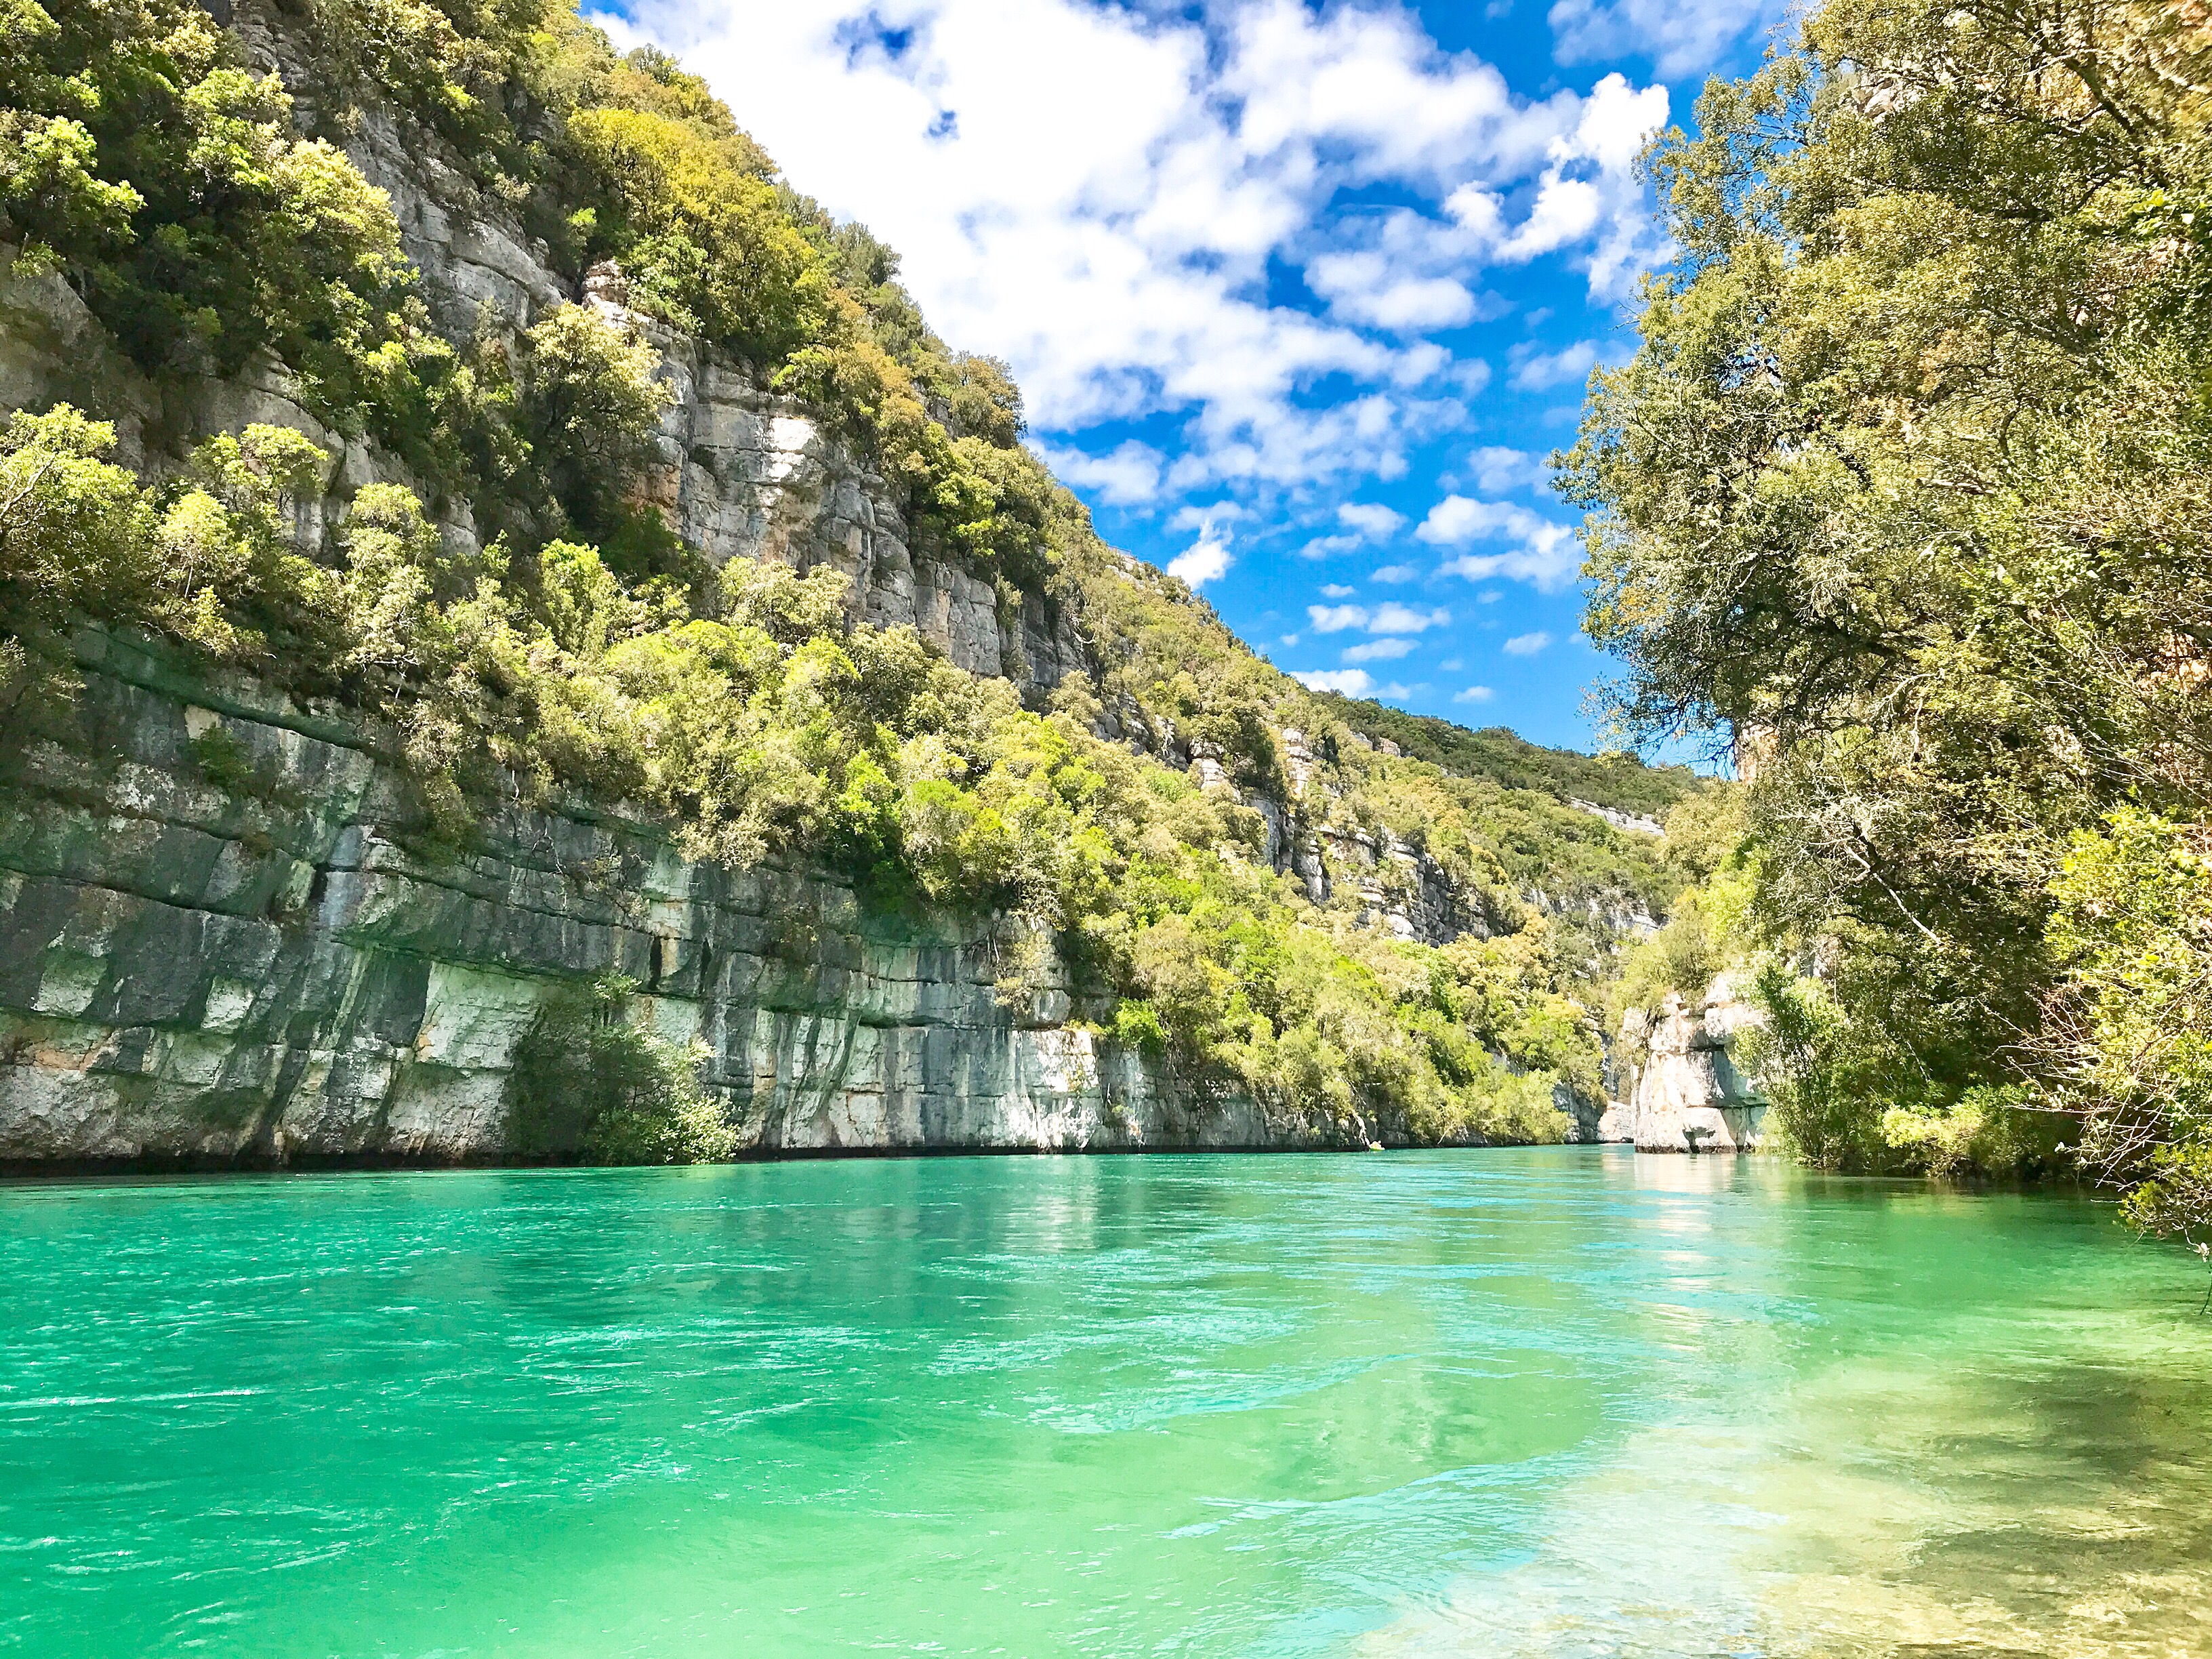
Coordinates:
x,y
1680,1088
202,963
1401,890
263,971
742,472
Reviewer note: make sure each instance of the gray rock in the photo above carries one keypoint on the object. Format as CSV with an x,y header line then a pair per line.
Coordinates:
x,y
192,974
1681,1089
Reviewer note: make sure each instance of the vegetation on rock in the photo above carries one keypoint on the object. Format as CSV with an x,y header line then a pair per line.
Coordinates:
x,y
589,1082
511,610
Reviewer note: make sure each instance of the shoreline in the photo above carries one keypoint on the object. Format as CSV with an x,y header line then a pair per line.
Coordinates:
x,y
27,1172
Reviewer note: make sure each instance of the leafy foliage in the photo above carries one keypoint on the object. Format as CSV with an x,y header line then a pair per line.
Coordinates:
x,y
141,158
589,1081
207,558
2129,1035
700,232
1904,491
587,406
1619,781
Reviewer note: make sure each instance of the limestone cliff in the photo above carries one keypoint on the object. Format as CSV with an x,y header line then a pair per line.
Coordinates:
x,y
1679,1086
247,960
223,936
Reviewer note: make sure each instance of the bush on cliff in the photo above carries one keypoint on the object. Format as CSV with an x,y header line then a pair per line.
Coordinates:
x,y
139,158
206,558
588,1081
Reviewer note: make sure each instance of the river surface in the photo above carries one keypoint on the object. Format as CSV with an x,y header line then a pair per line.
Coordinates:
x,y
1560,1402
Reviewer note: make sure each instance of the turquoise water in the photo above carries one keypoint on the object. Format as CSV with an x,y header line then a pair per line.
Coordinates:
x,y
1564,1401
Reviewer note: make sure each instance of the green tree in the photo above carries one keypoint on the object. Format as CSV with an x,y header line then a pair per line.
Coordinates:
x,y
2129,1039
588,1081
1903,492
589,402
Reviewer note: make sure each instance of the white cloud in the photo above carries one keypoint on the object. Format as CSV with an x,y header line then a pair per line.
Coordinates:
x,y
1547,565
1680,39
1337,591
1499,469
1473,694
1352,682
1363,287
1566,210
1537,371
1457,519
1393,574
1380,651
1124,475
1526,645
1544,554
1470,375
1396,618
1390,618
1195,516
1206,560
1587,193
1322,546
1370,519
1151,190
1610,132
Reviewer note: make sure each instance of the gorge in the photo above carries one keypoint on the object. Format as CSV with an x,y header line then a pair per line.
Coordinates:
x,y
575,781
236,931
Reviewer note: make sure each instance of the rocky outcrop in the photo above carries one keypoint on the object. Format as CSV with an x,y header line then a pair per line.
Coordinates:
x,y
742,472
1622,915
220,939
1402,889
1679,1084
249,961
1637,823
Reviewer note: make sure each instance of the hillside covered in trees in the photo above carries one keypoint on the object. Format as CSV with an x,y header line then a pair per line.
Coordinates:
x,y
1904,496
507,600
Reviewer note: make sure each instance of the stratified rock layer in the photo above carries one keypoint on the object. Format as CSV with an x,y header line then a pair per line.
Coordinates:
x,y
265,971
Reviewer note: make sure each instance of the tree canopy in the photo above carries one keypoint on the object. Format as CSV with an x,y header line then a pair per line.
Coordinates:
x,y
1904,495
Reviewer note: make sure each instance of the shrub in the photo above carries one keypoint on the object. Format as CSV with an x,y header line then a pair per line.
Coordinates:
x,y
1816,1093
2127,1040
586,1081
700,234
588,403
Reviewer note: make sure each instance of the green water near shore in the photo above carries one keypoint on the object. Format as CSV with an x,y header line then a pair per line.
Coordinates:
x,y
1563,1402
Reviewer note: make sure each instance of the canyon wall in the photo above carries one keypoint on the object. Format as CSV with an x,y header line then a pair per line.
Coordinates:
x,y
218,944
222,938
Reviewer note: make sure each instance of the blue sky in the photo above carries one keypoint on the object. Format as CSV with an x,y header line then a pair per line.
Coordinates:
x,y
1300,295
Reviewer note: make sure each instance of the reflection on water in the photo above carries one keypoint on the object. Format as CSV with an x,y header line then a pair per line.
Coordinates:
x,y
2005,1465
1562,1402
